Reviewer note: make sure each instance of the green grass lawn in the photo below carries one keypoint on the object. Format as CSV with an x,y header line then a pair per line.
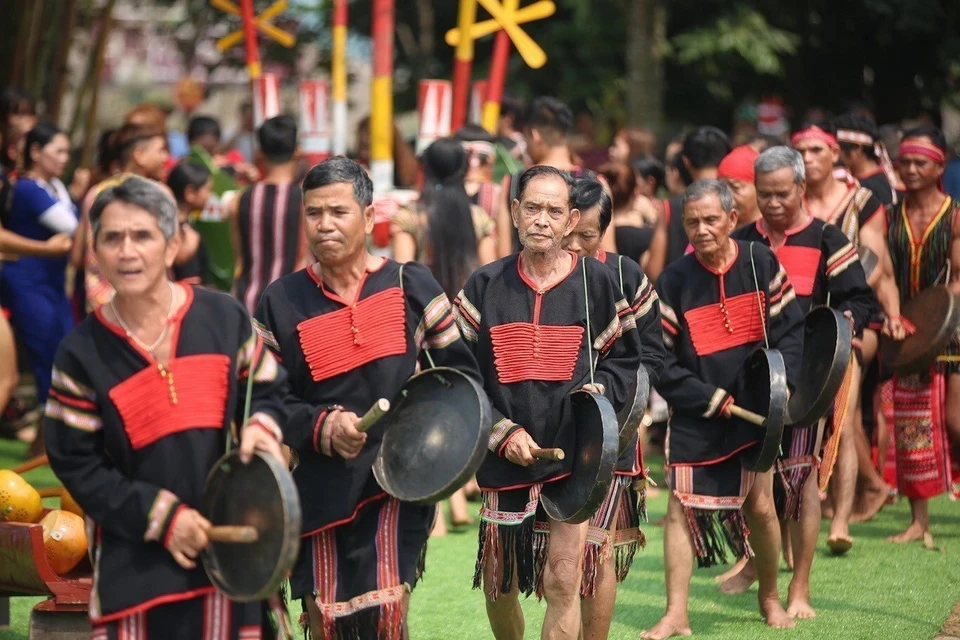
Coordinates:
x,y
878,591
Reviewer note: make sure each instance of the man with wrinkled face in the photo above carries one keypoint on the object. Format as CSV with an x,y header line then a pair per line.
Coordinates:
x,y
526,318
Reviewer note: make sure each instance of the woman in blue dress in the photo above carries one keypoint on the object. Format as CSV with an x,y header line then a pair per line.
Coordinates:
x,y
32,288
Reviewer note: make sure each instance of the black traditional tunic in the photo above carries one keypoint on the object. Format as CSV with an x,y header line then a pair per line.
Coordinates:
x,y
638,290
347,354
822,264
531,346
133,441
712,322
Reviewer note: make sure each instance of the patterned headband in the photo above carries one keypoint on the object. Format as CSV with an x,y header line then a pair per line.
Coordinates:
x,y
814,133
854,137
920,147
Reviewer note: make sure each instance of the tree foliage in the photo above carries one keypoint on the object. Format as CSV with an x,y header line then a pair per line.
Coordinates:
x,y
896,55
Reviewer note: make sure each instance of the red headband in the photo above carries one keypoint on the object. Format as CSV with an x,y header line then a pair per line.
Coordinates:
x,y
738,164
920,147
815,133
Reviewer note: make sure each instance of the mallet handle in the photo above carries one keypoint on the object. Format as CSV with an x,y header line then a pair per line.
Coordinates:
x,y
39,461
376,412
230,533
749,416
547,454
50,492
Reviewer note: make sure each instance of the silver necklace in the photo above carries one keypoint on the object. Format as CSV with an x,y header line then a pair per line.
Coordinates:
x,y
150,348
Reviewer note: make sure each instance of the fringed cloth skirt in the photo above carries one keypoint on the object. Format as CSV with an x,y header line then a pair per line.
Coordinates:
x,y
712,497
794,466
359,572
515,530
923,460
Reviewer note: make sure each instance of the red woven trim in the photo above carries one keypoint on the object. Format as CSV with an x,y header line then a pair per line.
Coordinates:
x,y
343,340
503,445
152,407
801,264
173,521
669,326
841,262
76,403
155,602
726,403
730,323
270,429
318,428
524,351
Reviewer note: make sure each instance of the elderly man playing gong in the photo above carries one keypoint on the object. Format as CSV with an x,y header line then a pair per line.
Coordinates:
x,y
542,324
143,397
352,329
718,305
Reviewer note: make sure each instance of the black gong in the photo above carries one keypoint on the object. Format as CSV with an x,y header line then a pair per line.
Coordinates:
x,y
827,341
435,437
259,502
632,413
578,496
763,391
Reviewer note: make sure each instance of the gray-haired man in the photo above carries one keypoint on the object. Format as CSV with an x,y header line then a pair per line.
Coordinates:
x,y
715,313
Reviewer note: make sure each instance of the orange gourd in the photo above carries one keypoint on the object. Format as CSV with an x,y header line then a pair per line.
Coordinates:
x,y
64,540
19,502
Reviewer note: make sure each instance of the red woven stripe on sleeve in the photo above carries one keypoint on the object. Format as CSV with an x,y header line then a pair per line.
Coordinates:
x,y
731,323
340,341
524,351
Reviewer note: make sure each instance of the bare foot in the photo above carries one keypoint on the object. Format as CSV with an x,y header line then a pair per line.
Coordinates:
x,y
839,544
775,616
800,608
732,571
873,500
668,627
911,534
741,582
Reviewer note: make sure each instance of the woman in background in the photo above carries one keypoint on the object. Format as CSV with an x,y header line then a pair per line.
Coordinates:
x,y
452,237
634,215
32,288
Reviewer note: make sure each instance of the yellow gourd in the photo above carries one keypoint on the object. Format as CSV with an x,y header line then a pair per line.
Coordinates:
x,y
19,502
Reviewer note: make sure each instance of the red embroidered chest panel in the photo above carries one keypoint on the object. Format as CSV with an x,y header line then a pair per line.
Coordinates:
x,y
525,351
732,322
801,264
189,393
342,340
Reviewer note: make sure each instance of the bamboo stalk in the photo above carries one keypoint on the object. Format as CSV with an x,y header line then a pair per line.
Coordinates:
x,y
59,80
33,34
52,18
87,148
